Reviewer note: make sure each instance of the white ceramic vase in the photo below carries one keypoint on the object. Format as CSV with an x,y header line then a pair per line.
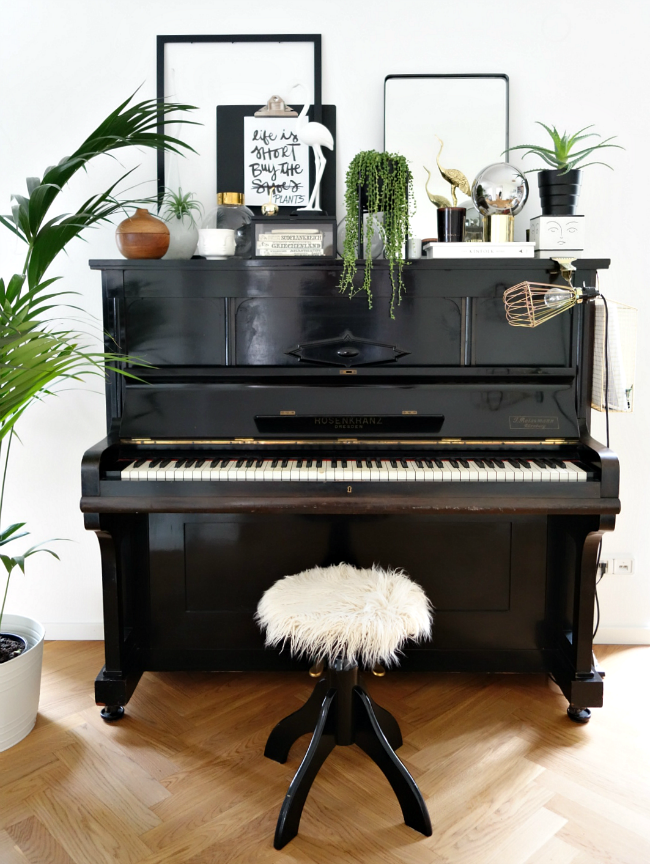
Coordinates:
x,y
20,681
183,237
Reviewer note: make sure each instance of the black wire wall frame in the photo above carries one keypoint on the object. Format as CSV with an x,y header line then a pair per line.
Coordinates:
x,y
161,41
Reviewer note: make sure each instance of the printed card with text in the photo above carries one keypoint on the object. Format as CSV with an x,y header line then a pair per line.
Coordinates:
x,y
274,157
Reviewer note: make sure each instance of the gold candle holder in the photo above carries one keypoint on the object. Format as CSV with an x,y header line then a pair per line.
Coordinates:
x,y
498,228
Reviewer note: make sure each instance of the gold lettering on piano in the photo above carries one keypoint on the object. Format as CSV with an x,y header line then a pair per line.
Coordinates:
x,y
348,422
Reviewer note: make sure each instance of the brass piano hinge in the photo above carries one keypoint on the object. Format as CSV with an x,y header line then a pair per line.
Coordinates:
x,y
409,412
287,413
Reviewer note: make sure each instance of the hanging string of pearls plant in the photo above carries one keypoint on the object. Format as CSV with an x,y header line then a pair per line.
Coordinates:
x,y
378,183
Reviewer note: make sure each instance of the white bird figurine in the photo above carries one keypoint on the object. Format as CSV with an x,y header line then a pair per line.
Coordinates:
x,y
316,136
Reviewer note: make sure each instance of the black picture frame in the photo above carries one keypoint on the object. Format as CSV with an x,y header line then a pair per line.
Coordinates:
x,y
161,41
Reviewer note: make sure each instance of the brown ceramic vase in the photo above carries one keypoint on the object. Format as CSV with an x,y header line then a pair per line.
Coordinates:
x,y
142,236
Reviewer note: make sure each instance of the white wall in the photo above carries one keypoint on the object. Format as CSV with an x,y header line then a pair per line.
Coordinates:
x,y
64,65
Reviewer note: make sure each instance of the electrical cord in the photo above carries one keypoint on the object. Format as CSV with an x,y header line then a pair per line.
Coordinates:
x,y
606,368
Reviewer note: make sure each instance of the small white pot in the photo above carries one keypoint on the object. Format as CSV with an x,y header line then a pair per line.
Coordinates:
x,y
183,237
20,681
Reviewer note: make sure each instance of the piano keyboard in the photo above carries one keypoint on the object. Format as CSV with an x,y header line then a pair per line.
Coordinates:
x,y
500,470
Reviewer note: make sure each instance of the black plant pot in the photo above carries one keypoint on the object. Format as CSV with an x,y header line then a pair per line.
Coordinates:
x,y
9,651
559,192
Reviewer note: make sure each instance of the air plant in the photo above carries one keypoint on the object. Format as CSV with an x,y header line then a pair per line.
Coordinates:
x,y
178,206
563,157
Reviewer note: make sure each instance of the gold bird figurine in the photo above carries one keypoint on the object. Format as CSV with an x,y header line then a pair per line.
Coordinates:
x,y
436,200
453,176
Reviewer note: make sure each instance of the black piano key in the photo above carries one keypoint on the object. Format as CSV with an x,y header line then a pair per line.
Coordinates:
x,y
419,463
499,463
359,463
378,463
344,463
513,462
215,463
241,463
393,463
200,463
139,462
154,463
319,463
189,463
403,463
285,463
164,463
428,463
489,463
308,464
368,463
274,464
453,463
524,464
250,463
479,462
259,462
439,463
557,463
299,463
335,463
539,463
464,463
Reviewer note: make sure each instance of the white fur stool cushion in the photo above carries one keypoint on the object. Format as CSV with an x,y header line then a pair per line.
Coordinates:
x,y
342,611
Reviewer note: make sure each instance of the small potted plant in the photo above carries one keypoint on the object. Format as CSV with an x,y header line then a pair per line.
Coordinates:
x,y
183,231
377,183
38,354
559,185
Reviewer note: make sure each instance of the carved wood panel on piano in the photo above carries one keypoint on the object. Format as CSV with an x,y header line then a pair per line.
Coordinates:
x,y
285,426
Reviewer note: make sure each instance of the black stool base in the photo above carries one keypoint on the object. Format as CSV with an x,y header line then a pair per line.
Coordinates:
x,y
340,711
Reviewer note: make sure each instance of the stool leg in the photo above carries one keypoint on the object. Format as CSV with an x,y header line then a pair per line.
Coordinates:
x,y
322,744
302,721
371,740
389,725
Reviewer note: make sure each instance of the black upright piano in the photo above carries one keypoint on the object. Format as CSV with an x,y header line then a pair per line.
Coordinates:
x,y
281,425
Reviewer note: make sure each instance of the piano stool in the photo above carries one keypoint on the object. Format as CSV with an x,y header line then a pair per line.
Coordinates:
x,y
346,617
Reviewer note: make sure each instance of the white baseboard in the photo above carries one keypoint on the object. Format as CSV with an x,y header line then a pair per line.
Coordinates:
x,y
623,636
75,630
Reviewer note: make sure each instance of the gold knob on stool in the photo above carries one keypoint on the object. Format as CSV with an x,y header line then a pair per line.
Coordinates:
x,y
378,670
317,669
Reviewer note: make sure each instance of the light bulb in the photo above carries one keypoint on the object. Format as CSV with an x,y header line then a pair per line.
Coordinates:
x,y
557,296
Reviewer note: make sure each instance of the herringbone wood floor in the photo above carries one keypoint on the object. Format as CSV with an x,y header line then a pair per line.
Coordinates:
x,y
507,777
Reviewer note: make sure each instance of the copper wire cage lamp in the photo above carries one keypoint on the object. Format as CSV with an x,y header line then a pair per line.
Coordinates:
x,y
529,304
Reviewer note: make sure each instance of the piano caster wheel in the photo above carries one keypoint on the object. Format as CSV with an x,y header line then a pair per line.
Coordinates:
x,y
112,712
578,715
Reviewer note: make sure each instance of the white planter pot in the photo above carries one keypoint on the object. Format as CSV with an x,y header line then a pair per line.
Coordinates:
x,y
20,681
183,237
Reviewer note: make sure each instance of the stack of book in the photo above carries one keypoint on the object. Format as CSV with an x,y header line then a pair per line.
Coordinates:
x,y
290,241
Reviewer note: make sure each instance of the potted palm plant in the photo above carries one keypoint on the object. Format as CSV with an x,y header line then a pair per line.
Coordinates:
x,y
179,213
36,355
559,185
381,186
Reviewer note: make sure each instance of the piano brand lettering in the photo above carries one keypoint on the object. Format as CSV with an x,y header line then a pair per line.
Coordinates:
x,y
348,422
524,421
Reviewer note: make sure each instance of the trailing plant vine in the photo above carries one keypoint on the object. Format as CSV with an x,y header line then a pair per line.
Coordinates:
x,y
387,184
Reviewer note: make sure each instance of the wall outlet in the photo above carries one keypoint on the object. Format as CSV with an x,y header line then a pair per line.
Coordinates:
x,y
623,566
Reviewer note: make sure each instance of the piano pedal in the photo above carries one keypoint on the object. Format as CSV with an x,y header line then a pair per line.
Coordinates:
x,y
378,670
317,669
